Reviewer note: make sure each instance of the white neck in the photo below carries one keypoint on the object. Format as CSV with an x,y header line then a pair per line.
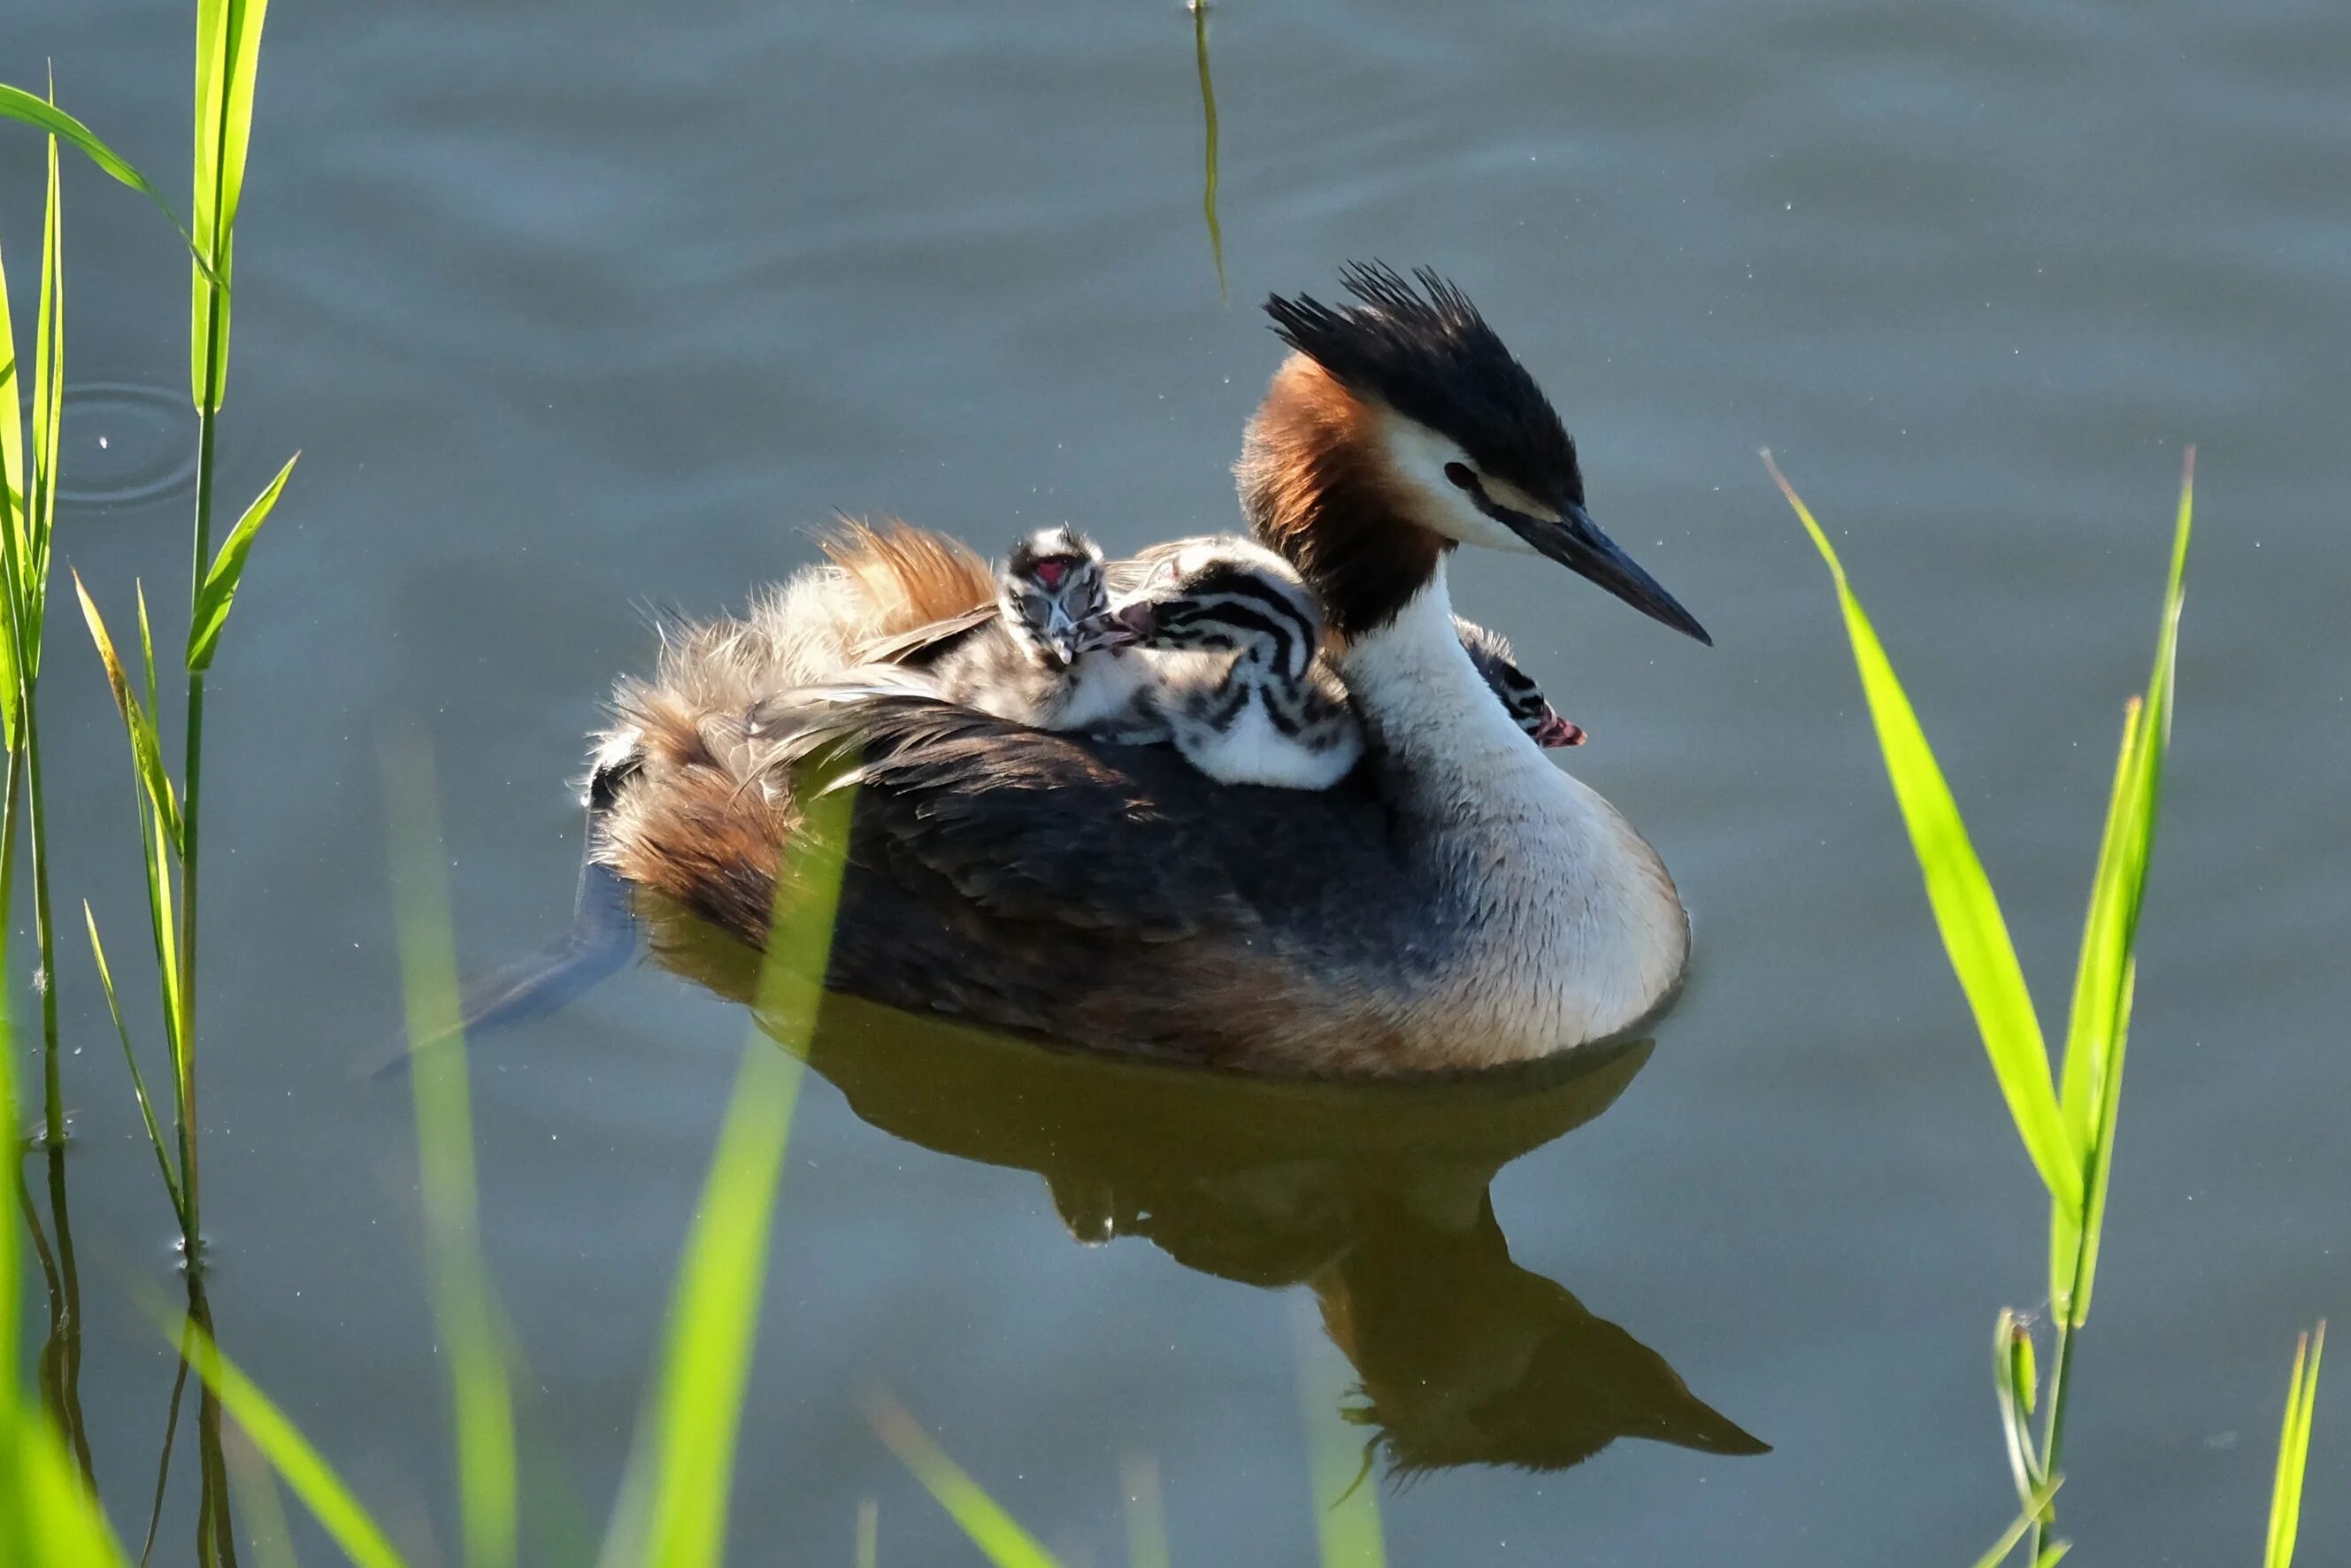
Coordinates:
x,y
1569,927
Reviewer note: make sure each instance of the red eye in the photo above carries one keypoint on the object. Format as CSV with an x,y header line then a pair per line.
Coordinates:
x,y
1051,572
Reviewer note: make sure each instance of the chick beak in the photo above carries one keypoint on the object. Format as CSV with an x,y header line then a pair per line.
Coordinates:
x,y
1555,731
1575,541
1060,633
1110,629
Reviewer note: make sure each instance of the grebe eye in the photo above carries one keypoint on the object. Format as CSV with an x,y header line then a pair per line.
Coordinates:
x,y
1462,475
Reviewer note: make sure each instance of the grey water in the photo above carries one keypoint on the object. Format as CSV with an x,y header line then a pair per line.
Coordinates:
x,y
578,309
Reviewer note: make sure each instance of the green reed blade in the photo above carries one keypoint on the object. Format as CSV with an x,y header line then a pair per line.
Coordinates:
x,y
1146,1513
1209,118
11,688
218,594
12,417
2098,969
146,645
673,1514
289,1453
674,1508
464,1308
146,749
9,1301
2015,1532
130,1058
2053,1555
2293,1449
2015,1386
1966,912
869,1533
50,1515
48,416
2100,1032
256,1490
17,104
1347,1510
160,926
47,1512
228,51
982,1519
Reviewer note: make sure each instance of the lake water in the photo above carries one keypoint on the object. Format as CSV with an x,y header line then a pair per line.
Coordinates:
x,y
576,309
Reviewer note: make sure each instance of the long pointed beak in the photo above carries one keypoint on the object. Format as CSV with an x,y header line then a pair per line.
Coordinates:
x,y
1577,542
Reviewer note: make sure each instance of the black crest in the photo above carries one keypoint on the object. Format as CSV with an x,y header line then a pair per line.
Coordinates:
x,y
1427,353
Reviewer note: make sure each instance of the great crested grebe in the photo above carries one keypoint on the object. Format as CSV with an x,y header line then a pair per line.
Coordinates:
x,y
1521,698
1457,902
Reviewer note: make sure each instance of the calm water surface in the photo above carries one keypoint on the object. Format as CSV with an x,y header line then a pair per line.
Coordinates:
x,y
577,308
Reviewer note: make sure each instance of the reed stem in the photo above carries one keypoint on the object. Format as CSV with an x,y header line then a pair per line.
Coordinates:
x,y
53,1114
2053,1440
207,417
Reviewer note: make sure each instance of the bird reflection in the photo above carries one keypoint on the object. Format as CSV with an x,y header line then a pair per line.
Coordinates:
x,y
1374,1196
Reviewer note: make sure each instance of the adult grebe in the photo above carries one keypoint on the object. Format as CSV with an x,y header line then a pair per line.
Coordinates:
x,y
1457,902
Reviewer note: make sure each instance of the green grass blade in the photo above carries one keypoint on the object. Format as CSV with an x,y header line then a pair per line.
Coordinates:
x,y
2293,1449
310,1477
2098,970
1346,1507
2116,903
18,104
256,1490
674,1513
1966,912
1146,1515
12,417
146,647
2016,1530
1209,118
2014,1385
996,1532
50,1516
131,1059
48,412
679,1480
47,1512
463,1309
146,749
217,592
869,1533
228,52
9,1300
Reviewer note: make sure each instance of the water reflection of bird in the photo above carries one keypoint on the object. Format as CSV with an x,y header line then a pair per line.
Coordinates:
x,y
1373,1195
1456,902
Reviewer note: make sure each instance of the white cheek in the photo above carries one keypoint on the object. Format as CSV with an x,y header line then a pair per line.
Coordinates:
x,y
1420,455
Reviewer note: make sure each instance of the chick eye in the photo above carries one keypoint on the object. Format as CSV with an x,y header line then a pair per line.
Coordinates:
x,y
1462,476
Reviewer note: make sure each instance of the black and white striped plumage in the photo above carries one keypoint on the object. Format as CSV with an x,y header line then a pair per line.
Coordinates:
x,y
1236,638
1519,696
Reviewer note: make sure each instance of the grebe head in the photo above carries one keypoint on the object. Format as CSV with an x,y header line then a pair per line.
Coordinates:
x,y
1229,596
1520,698
1404,409
1053,594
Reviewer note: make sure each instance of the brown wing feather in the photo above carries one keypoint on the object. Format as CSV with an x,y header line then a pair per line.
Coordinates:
x,y
909,576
